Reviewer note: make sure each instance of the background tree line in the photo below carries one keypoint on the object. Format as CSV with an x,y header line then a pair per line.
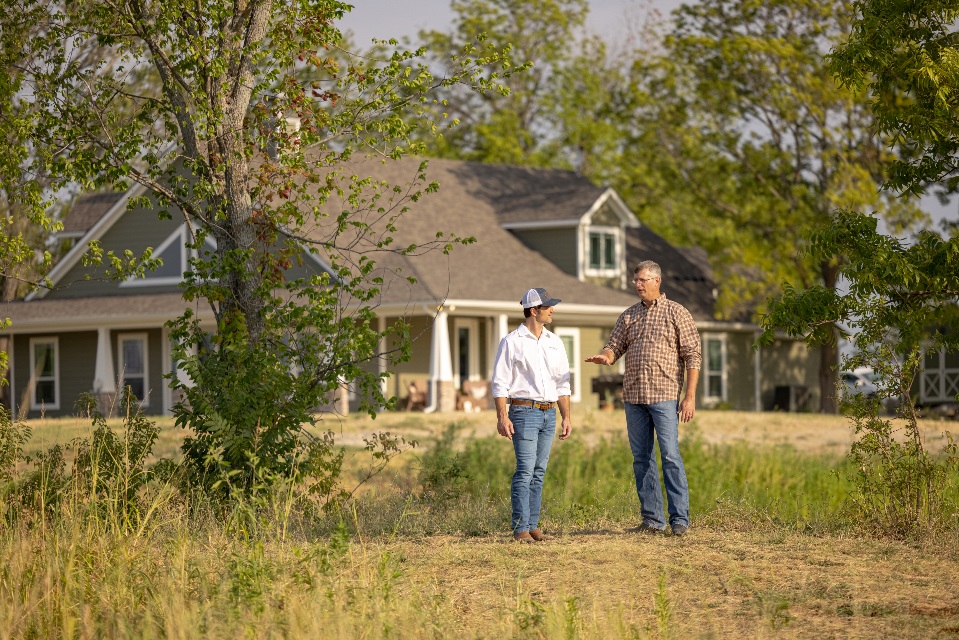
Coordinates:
x,y
722,126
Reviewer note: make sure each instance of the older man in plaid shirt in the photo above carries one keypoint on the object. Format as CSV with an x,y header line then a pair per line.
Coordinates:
x,y
661,344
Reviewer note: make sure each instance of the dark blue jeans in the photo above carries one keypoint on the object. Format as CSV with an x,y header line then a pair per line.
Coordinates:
x,y
533,431
661,419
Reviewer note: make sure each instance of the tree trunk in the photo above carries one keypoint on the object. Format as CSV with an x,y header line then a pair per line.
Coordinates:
x,y
829,352
829,358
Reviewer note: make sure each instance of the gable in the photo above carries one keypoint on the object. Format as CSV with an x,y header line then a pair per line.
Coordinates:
x,y
605,216
137,230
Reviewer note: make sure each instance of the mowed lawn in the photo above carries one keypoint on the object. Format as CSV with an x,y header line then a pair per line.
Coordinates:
x,y
742,571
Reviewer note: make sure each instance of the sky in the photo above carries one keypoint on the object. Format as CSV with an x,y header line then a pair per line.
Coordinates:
x,y
385,19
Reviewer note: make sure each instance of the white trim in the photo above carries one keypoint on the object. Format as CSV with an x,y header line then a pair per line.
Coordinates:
x,y
104,380
441,368
97,231
706,372
144,339
576,389
13,377
939,388
625,215
178,236
166,366
381,359
542,224
34,378
602,271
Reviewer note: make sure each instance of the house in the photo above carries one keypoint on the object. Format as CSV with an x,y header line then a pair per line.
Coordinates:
x,y
533,227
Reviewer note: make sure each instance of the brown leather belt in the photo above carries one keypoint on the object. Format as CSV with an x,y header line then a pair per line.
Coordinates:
x,y
542,406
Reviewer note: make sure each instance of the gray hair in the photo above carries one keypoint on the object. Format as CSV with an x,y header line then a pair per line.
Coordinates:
x,y
649,265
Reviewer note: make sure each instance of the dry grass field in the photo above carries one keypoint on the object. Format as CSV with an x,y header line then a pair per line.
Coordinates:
x,y
808,432
737,574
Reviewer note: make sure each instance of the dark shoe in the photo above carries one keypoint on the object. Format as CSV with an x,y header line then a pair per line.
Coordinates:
x,y
523,536
539,536
645,528
680,529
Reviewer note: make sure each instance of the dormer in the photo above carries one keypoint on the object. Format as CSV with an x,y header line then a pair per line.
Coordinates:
x,y
602,241
581,229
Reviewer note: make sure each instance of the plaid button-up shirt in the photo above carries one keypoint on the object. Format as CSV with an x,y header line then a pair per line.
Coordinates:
x,y
660,342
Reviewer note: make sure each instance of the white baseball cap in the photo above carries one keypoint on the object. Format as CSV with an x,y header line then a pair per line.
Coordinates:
x,y
536,297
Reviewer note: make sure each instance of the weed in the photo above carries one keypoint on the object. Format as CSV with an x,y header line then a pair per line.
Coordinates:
x,y
662,606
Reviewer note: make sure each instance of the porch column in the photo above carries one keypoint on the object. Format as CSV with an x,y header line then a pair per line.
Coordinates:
x,y
442,392
381,360
104,380
501,328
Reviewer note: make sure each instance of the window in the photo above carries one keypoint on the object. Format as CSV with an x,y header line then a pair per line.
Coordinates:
x,y
465,350
44,373
570,338
132,348
602,250
714,356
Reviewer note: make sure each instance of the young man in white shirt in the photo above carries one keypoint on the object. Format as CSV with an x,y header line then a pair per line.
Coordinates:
x,y
530,378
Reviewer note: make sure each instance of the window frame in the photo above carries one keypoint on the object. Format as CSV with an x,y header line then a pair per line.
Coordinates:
x,y
707,373
605,234
35,378
121,372
575,390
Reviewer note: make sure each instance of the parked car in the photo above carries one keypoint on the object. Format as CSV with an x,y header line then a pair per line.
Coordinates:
x,y
858,382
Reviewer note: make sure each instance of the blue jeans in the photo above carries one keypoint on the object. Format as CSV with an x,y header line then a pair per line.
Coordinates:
x,y
642,422
533,431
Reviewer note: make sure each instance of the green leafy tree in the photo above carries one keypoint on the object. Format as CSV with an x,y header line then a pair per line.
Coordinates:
x,y
905,54
741,141
900,305
515,127
247,137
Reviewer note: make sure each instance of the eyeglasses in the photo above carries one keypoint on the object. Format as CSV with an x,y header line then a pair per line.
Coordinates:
x,y
638,280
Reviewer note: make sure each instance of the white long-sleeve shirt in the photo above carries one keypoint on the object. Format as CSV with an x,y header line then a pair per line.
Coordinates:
x,y
531,369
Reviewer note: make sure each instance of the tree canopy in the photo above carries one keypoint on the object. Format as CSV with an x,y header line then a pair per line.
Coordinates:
x,y
255,109
906,55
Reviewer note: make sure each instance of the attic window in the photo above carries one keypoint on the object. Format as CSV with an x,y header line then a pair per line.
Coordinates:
x,y
602,250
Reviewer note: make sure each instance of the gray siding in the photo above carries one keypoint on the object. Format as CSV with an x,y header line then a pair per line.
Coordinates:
x,y
77,359
740,372
790,363
136,230
556,245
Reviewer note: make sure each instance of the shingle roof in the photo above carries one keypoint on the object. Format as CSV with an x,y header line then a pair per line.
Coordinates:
x,y
525,194
473,200
498,267
91,311
87,210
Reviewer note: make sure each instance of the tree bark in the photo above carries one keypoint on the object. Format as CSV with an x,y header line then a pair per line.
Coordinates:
x,y
829,352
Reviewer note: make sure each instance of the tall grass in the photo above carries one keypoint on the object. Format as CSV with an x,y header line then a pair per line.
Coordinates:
x,y
467,489
282,566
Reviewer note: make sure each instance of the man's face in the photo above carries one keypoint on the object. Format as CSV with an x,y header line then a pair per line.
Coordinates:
x,y
647,285
544,314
